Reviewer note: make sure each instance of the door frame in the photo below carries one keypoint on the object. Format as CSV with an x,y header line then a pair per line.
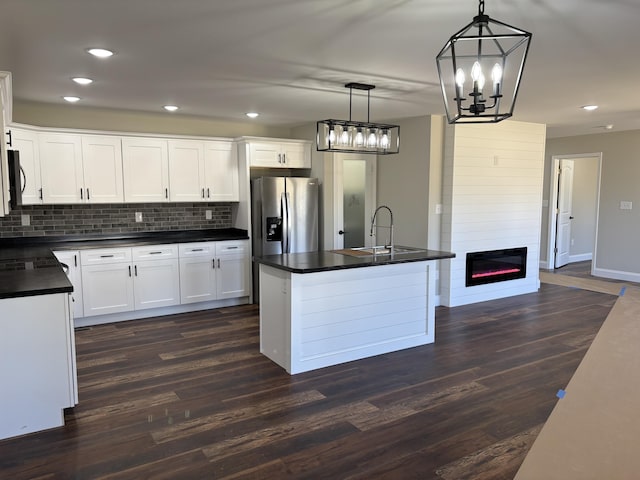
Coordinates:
x,y
553,202
370,191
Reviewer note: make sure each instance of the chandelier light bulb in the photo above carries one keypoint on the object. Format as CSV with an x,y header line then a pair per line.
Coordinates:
x,y
344,137
384,139
373,139
481,81
332,134
460,77
496,74
476,71
359,138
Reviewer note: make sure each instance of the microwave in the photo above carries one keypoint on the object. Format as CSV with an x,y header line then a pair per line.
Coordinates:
x,y
17,178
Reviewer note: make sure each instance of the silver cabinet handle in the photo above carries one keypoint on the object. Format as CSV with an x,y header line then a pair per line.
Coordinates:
x,y
106,256
197,249
155,253
135,269
88,195
129,270
213,263
218,263
81,197
203,193
208,195
166,193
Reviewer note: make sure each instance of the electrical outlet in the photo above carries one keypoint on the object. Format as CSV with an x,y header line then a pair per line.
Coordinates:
x,y
626,205
138,217
439,209
208,215
25,220
572,241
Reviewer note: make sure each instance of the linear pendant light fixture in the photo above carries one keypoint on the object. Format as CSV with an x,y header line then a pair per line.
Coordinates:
x,y
483,47
350,136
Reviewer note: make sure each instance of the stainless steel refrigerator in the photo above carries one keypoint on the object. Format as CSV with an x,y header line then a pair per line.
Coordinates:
x,y
284,217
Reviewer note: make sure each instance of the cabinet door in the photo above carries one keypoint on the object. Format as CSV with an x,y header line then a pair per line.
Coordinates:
x,y
26,142
61,168
146,169
186,171
71,259
265,155
221,172
232,269
156,283
197,279
107,288
296,155
232,278
102,167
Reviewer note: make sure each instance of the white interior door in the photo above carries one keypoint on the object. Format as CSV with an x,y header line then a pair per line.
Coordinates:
x,y
563,230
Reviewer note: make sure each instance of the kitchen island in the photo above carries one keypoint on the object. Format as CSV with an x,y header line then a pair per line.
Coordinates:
x,y
324,308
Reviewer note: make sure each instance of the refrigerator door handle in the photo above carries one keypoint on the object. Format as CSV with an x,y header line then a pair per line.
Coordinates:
x,y
284,206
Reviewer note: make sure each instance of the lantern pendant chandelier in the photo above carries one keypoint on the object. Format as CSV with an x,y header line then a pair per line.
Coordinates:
x,y
485,45
350,136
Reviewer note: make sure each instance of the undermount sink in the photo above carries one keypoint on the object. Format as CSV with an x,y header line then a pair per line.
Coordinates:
x,y
381,250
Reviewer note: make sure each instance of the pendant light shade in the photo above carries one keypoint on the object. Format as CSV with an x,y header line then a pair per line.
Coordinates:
x,y
480,69
350,136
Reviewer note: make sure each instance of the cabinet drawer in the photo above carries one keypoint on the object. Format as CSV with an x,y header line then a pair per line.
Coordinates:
x,y
202,249
100,256
153,252
232,247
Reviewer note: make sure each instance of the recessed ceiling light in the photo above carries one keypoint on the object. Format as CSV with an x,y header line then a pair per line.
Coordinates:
x,y
71,99
100,52
608,127
252,114
590,107
82,80
170,108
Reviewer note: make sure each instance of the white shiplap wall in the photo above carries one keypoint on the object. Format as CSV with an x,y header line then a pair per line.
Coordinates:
x,y
492,198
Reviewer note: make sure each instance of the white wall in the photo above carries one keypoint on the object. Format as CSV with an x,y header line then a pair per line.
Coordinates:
x,y
492,197
410,182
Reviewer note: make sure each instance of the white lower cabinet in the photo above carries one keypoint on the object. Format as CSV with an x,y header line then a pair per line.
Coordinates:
x,y
71,263
125,279
107,281
214,270
156,282
233,269
37,363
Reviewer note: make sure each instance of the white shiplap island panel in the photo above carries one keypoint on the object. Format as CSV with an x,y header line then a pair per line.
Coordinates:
x,y
314,320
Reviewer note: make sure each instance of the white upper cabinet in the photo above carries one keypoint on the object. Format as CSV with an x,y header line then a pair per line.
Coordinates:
x,y
102,169
146,169
186,170
280,154
204,171
221,172
26,142
61,168
71,168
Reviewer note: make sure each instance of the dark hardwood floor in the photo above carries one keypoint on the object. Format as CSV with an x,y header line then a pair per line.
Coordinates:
x,y
190,397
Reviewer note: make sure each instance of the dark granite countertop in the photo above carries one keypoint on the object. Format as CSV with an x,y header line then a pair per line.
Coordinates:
x,y
327,260
28,266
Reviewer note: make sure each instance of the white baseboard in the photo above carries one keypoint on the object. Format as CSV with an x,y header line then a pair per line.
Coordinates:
x,y
156,312
617,275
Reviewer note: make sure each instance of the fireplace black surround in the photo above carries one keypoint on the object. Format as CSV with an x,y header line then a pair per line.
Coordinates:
x,y
496,266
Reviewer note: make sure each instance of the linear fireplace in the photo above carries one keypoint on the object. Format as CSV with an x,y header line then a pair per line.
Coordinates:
x,y
496,266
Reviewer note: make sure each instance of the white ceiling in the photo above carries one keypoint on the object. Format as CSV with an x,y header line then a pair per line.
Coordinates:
x,y
289,59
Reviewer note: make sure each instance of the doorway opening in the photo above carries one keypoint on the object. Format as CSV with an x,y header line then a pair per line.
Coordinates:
x,y
573,224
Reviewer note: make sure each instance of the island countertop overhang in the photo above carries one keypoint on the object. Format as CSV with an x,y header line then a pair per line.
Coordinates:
x,y
325,261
